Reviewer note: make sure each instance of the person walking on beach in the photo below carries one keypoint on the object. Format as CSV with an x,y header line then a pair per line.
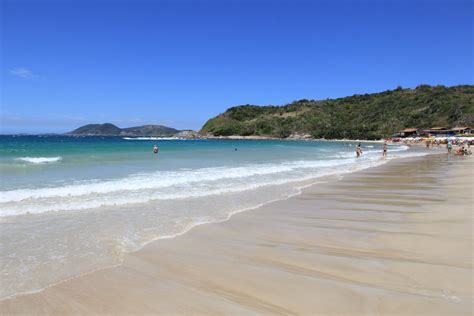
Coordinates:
x,y
155,149
449,146
358,151
384,154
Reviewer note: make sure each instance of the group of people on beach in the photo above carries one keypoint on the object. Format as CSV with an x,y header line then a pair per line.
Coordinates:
x,y
449,142
463,150
432,143
464,146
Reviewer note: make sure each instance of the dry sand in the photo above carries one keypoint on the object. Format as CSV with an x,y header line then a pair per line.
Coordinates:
x,y
392,240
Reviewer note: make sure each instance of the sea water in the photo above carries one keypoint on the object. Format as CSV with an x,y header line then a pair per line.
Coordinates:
x,y
72,205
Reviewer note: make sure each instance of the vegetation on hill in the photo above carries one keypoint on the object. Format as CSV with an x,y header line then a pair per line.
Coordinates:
x,y
362,116
149,130
97,129
108,129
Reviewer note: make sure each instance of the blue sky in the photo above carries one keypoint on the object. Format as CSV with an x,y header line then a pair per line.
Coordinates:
x,y
178,63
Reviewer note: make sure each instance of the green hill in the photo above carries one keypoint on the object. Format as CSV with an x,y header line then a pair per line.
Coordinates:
x,y
108,129
97,129
362,116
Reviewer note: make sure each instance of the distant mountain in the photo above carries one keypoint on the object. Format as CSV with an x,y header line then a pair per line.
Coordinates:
x,y
149,130
361,116
108,129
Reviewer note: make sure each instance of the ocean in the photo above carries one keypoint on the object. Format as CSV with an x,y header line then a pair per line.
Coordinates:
x,y
72,205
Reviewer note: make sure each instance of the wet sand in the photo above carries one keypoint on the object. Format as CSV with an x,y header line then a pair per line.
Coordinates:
x,y
391,240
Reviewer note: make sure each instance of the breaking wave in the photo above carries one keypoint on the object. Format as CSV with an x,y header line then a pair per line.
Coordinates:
x,y
40,160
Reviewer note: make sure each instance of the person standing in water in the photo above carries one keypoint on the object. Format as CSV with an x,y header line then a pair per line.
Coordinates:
x,y
358,150
449,146
384,154
155,149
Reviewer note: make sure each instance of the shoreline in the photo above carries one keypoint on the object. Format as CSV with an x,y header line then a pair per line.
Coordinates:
x,y
298,137
307,183
44,294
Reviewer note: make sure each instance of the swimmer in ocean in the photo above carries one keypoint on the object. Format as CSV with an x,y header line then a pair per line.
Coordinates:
x,y
358,151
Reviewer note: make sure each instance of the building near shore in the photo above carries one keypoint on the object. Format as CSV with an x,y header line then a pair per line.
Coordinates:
x,y
462,130
437,132
413,132
409,132
446,132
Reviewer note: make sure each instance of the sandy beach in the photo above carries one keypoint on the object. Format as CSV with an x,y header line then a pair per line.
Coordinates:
x,y
390,240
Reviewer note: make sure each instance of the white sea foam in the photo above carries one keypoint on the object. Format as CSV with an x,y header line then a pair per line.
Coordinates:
x,y
169,186
177,184
40,160
161,179
143,188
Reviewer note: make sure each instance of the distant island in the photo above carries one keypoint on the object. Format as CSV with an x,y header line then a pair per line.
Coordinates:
x,y
361,116
108,129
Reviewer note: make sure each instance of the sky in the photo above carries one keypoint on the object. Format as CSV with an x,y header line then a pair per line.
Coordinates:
x,y
178,63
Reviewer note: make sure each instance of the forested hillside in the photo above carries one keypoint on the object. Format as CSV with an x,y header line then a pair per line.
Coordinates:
x,y
362,116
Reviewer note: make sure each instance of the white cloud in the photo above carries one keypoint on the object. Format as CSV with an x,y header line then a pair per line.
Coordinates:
x,y
23,73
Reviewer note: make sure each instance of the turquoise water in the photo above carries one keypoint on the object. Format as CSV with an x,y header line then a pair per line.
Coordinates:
x,y
65,159
70,205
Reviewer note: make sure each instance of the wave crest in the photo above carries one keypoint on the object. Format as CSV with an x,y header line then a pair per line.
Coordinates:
x,y
40,160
